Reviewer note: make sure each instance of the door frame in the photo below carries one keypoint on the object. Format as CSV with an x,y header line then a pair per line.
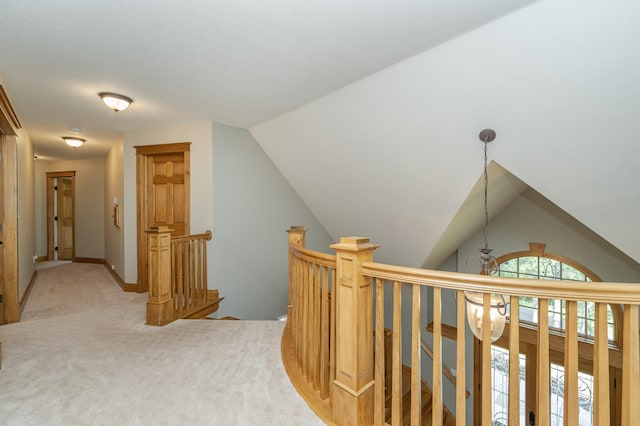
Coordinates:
x,y
9,125
144,156
51,213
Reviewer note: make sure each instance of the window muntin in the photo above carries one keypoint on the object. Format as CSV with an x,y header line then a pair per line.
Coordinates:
x,y
546,268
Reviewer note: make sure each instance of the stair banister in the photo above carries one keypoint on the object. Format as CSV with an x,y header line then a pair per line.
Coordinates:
x,y
160,305
354,382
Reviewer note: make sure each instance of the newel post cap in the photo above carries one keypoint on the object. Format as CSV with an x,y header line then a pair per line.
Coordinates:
x,y
158,229
354,244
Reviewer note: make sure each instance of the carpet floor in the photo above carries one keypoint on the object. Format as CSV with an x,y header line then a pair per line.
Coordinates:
x,y
82,355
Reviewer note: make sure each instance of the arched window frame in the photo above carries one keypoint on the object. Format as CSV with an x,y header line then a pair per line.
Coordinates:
x,y
538,250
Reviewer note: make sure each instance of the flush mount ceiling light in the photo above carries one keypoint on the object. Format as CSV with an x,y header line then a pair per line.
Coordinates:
x,y
115,101
73,141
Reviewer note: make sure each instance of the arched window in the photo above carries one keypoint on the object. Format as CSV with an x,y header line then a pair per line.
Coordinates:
x,y
536,264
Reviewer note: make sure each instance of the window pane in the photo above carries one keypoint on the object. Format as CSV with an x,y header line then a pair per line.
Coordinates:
x,y
571,273
509,266
585,397
528,267
549,269
500,386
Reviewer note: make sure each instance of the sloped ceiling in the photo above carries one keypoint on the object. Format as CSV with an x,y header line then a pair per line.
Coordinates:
x,y
469,219
394,155
235,62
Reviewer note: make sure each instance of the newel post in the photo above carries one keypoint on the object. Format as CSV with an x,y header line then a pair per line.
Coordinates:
x,y
160,309
354,381
296,239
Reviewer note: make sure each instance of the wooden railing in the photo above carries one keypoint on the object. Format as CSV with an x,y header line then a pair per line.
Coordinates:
x,y
355,393
189,273
177,273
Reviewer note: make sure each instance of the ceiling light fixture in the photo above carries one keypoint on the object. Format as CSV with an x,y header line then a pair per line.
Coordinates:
x,y
488,266
115,101
73,141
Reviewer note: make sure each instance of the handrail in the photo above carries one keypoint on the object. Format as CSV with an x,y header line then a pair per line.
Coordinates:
x,y
204,236
178,277
332,312
323,259
599,292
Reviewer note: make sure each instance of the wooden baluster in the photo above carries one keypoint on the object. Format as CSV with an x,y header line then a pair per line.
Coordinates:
x,y
315,329
461,324
486,360
305,318
416,376
296,238
160,305
396,375
630,366
353,386
514,361
571,365
601,405
332,337
380,354
298,310
436,398
543,388
180,278
324,336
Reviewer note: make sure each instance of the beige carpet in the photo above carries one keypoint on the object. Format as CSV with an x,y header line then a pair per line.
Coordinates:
x,y
82,355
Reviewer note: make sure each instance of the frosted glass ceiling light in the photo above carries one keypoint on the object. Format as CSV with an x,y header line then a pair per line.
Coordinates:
x,y
115,102
73,141
488,266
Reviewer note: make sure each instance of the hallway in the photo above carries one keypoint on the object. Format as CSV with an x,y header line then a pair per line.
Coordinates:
x,y
83,355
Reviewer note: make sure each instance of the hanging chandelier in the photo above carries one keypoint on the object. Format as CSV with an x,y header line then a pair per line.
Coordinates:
x,y
488,266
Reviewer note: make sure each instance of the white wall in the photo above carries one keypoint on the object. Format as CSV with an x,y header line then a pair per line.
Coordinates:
x,y
532,218
199,134
114,188
89,204
253,207
26,216
397,152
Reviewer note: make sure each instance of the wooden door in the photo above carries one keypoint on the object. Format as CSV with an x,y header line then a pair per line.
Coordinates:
x,y
9,124
163,195
60,205
166,192
65,219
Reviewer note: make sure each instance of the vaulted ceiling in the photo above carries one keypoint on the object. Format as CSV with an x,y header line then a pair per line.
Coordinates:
x,y
234,62
370,109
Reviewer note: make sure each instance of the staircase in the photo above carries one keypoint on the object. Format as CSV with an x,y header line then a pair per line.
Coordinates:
x,y
448,418
211,305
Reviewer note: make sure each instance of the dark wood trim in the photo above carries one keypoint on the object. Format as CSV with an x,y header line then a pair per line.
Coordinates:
x,y
9,286
42,259
114,274
27,293
163,148
132,288
9,114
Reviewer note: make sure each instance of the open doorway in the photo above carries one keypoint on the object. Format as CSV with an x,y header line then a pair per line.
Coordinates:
x,y
61,215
